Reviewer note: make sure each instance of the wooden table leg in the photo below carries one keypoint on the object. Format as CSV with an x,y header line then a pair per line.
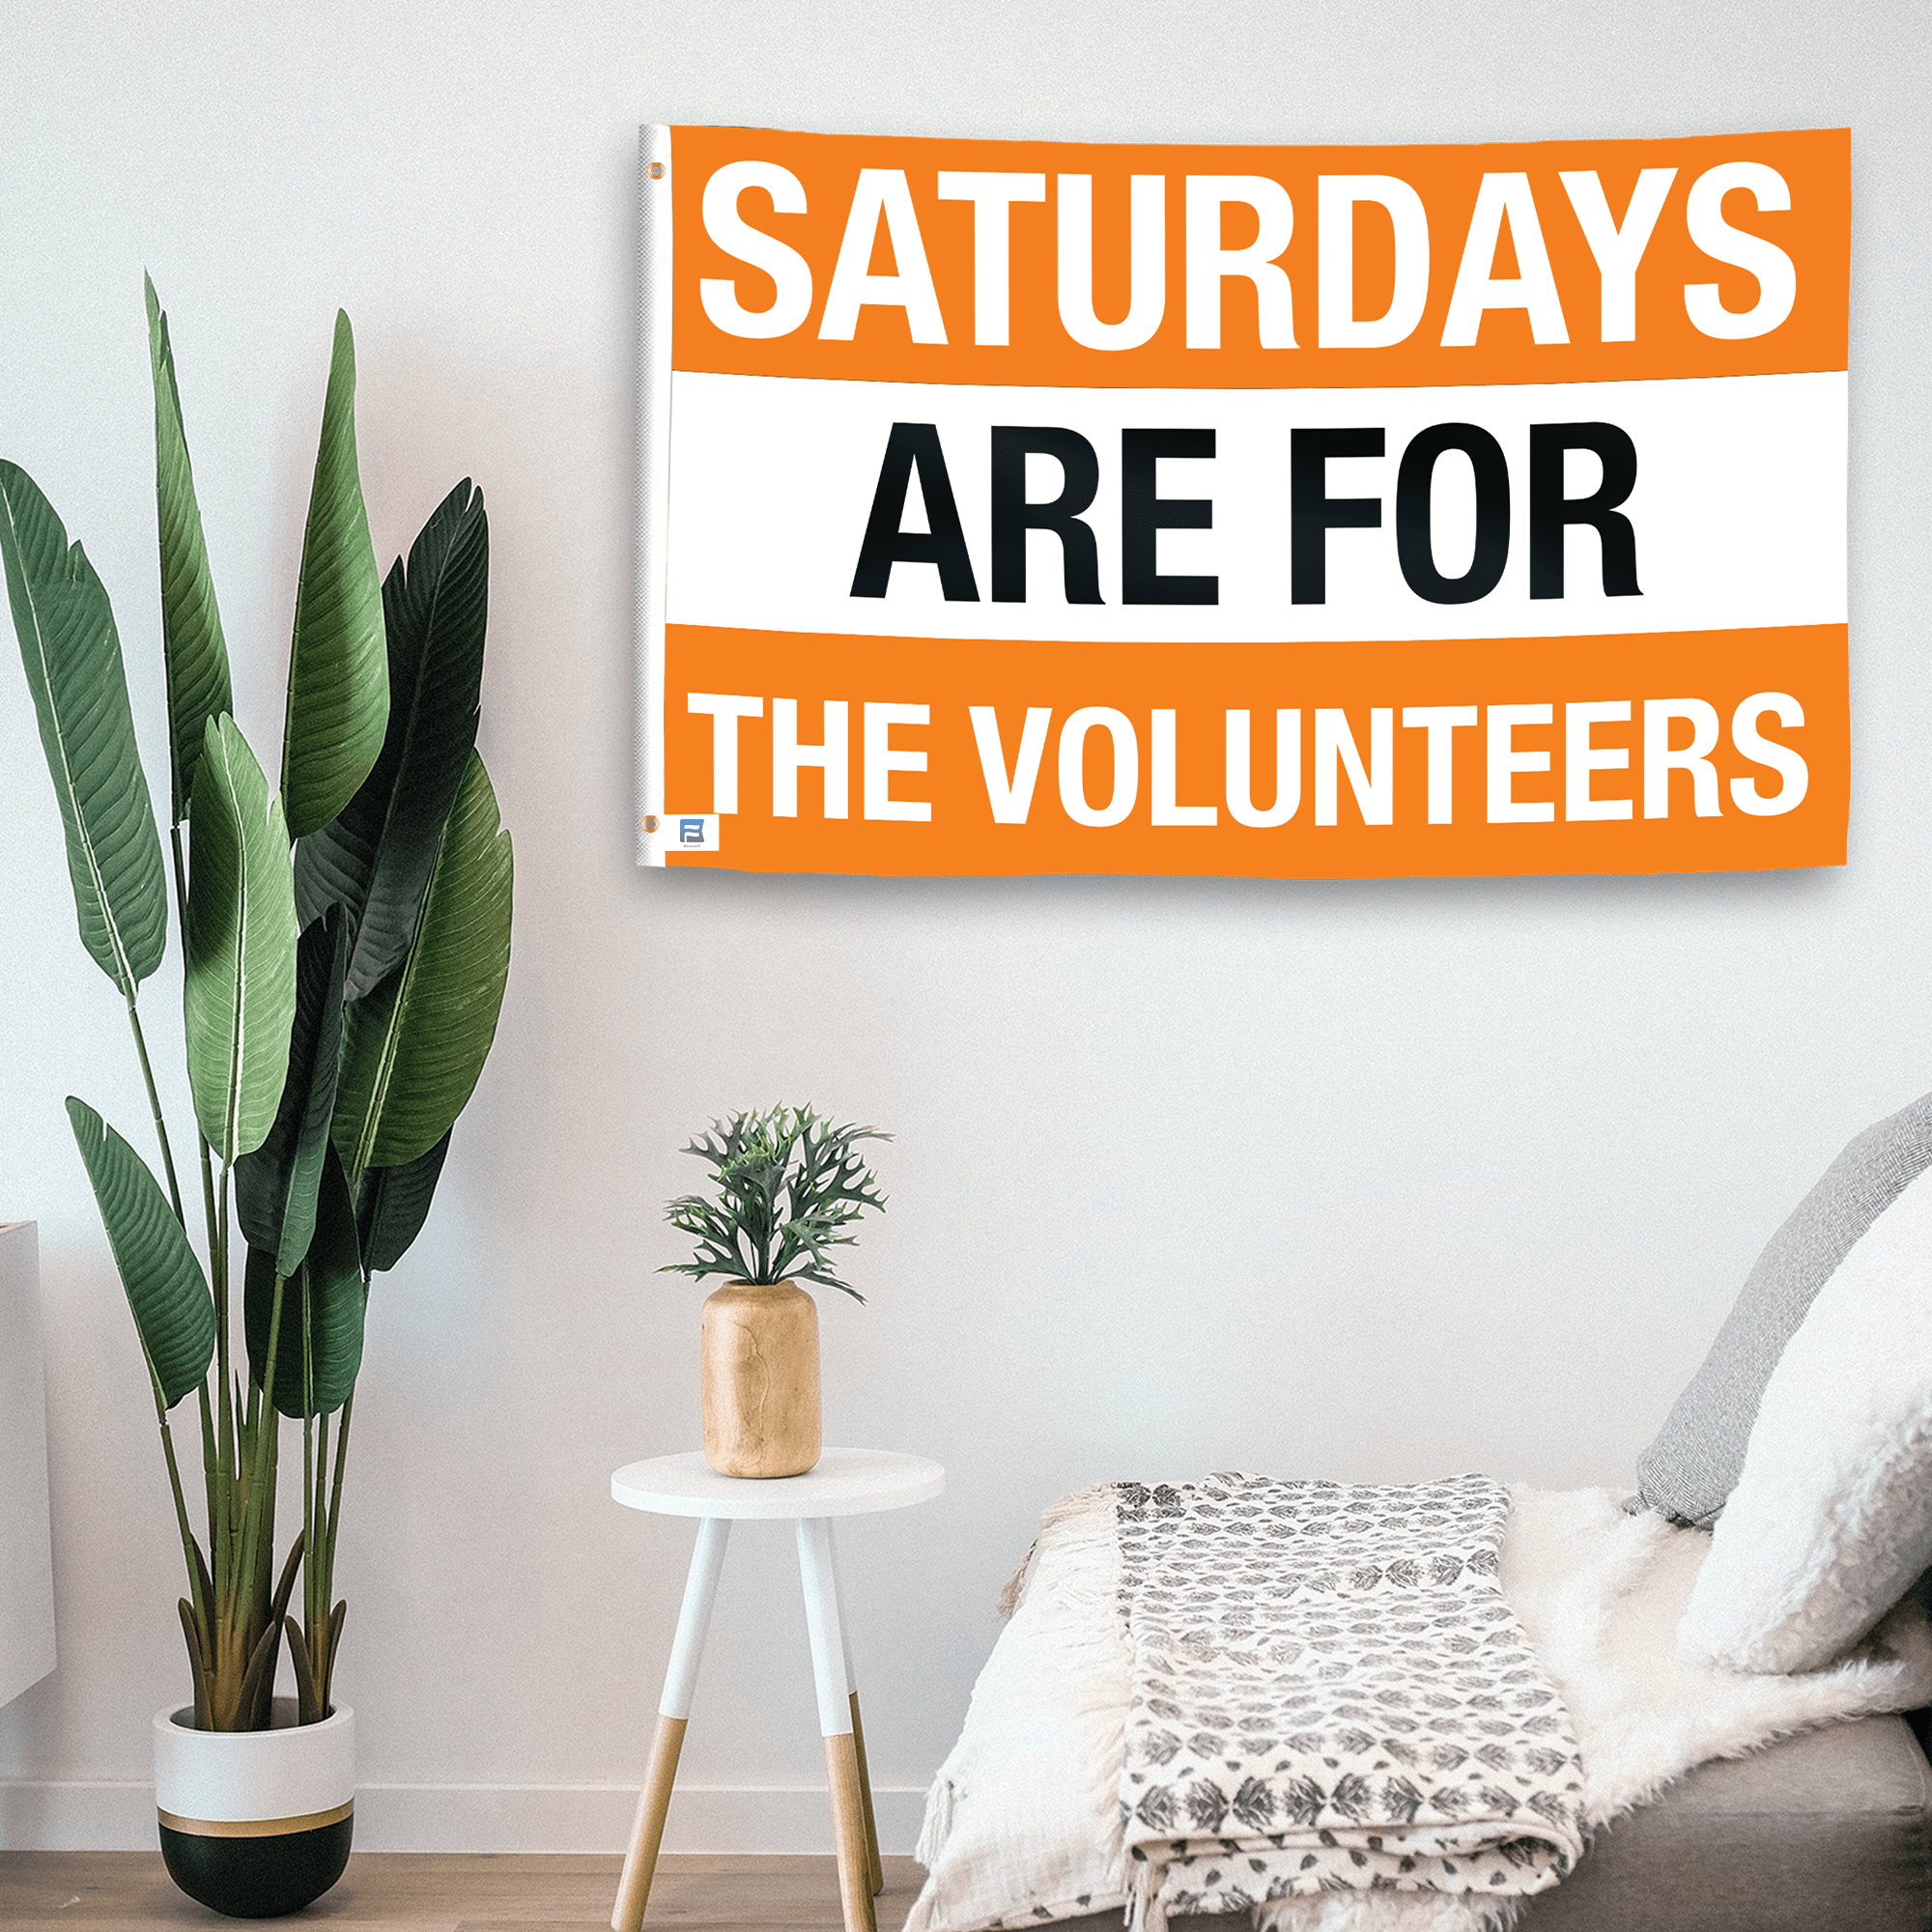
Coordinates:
x,y
700,1591
641,1861
877,1863
818,1579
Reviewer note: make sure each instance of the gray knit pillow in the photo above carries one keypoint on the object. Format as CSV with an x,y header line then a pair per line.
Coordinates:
x,y
1689,1472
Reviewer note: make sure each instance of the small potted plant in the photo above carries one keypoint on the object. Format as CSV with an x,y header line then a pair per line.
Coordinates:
x,y
789,1188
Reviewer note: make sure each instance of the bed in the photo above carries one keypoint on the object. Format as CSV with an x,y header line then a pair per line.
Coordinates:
x,y
1830,1831
1719,1663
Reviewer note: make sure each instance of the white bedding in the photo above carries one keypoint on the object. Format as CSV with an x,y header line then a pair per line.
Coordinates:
x,y
1023,1821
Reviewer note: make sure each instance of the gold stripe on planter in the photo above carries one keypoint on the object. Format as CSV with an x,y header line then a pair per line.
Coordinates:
x,y
256,1827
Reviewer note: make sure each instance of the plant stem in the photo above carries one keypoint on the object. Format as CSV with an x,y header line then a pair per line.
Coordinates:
x,y
211,1471
325,1570
334,1517
308,1547
261,1438
311,1481
208,1210
313,1584
335,1498
154,1107
228,1582
181,1512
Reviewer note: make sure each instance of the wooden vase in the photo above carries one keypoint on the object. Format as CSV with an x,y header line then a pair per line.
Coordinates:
x,y
761,1348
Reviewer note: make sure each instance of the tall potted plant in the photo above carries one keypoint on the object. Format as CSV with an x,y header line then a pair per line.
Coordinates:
x,y
346,941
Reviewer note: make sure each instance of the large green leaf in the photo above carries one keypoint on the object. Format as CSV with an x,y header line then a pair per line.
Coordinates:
x,y
192,639
326,1296
73,655
375,857
393,1205
166,1289
414,1049
338,668
240,987
275,1185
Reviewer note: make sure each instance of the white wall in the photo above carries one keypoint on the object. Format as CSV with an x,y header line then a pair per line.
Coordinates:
x,y
1374,1181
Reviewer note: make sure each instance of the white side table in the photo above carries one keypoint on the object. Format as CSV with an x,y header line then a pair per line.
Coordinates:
x,y
846,1482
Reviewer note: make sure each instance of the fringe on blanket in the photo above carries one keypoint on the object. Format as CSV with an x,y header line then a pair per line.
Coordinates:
x,y
1096,1500
1144,1911
938,1825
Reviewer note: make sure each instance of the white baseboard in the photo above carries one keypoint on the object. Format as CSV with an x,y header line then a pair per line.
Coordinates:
x,y
74,1816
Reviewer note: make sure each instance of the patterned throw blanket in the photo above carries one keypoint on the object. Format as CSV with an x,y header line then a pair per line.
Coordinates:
x,y
1330,1694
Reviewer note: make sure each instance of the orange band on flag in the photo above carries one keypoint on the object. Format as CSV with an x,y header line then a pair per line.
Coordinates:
x,y
1568,189
1540,744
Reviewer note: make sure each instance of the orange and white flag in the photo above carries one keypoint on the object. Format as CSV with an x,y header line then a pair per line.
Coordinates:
x,y
1290,511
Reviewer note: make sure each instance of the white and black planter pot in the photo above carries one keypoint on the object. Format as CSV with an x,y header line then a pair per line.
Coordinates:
x,y
256,1823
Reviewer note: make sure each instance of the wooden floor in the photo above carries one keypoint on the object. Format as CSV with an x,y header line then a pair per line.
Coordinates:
x,y
103,1891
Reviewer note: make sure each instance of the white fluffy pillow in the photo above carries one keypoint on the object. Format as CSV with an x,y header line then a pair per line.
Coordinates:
x,y
1831,1517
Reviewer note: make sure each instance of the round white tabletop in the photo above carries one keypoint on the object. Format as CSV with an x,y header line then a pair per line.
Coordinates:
x,y
845,1482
